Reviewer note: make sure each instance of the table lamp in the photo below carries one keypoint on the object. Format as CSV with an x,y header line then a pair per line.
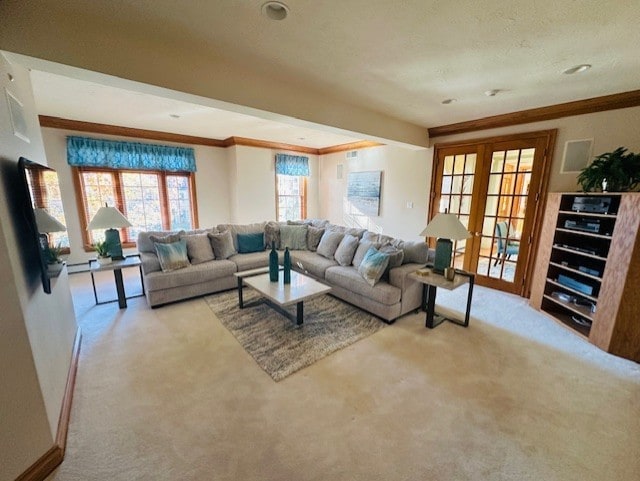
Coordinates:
x,y
46,224
111,219
445,227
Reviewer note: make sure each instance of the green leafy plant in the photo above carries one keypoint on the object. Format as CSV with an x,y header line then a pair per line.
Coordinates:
x,y
53,254
618,169
102,248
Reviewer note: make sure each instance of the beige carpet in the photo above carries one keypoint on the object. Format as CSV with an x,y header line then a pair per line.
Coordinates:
x,y
168,394
279,345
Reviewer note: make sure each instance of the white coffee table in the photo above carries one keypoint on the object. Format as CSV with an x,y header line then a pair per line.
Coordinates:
x,y
279,295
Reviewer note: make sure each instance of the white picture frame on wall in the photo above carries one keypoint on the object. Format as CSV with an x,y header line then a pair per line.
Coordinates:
x,y
577,154
16,114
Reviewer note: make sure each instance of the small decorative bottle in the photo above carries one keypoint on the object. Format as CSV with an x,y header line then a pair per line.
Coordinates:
x,y
287,266
273,264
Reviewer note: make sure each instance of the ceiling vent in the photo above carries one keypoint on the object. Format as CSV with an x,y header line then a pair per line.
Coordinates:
x,y
352,154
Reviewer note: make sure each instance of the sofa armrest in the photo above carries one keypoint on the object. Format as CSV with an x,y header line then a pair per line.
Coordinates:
x,y
398,276
150,262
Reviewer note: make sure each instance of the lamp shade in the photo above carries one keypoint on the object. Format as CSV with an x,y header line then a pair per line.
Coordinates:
x,y
108,218
47,223
446,226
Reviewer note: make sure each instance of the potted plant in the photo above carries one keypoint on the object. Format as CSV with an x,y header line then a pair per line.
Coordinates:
x,y
616,171
102,249
54,261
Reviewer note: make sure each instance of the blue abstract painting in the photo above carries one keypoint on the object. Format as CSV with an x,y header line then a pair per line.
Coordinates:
x,y
363,192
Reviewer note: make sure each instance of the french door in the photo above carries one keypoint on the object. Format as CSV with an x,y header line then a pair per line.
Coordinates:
x,y
496,188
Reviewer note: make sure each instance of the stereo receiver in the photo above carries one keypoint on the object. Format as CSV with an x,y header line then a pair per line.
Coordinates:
x,y
587,225
597,205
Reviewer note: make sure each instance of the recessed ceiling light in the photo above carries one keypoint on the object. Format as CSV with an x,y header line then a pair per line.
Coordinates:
x,y
492,93
275,10
174,116
577,69
449,101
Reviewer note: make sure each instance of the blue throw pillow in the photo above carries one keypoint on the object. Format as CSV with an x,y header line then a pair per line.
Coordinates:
x,y
373,265
172,256
250,242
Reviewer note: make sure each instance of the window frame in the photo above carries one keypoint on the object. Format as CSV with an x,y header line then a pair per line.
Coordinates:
x,y
303,196
79,188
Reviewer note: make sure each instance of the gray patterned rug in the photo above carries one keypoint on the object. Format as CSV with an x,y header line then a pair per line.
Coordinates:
x,y
279,346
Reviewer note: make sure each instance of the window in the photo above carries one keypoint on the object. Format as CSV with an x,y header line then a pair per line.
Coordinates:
x,y
291,195
45,192
150,200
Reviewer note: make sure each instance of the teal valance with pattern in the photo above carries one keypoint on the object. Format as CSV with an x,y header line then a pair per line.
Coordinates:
x,y
292,165
88,152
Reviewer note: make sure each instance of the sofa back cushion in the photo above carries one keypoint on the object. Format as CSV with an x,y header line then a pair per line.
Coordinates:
x,y
361,251
198,248
329,243
417,252
346,249
271,234
222,245
314,234
294,237
250,242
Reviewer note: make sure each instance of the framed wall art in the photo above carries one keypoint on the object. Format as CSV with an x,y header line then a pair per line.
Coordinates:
x,y
363,191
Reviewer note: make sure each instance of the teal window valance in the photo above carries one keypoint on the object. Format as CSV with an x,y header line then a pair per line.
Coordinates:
x,y
88,152
292,165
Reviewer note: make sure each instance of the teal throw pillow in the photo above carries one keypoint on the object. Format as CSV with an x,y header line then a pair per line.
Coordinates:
x,y
294,237
250,242
173,255
373,266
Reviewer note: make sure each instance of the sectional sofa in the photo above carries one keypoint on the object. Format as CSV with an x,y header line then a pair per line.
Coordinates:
x,y
333,254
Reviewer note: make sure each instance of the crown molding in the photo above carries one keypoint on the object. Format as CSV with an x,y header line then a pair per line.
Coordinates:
x,y
350,146
106,129
568,109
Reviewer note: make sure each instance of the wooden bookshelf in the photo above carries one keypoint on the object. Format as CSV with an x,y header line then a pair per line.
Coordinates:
x,y
591,274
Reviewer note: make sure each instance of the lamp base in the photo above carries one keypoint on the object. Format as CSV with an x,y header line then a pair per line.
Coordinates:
x,y
112,236
444,248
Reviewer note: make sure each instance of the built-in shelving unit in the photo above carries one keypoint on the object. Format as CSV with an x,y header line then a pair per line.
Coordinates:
x,y
588,268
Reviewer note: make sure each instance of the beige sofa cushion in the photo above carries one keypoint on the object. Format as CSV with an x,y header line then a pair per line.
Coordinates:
x,y
251,260
349,278
193,274
313,263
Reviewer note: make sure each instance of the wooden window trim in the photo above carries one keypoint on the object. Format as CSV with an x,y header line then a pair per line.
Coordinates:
x,y
303,197
80,194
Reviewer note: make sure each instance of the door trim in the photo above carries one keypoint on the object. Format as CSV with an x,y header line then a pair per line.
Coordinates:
x,y
547,139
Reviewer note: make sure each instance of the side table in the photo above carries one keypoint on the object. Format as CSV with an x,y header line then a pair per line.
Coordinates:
x,y
116,267
430,282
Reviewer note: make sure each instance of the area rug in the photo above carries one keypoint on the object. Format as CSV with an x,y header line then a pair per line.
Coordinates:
x,y
279,346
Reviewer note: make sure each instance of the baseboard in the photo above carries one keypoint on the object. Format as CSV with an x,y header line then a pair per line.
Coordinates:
x,y
50,460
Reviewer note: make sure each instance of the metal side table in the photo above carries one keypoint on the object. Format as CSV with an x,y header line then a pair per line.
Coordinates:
x,y
430,282
116,267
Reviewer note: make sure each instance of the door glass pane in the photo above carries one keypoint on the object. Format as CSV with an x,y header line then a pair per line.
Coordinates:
x,y
497,161
448,165
459,164
491,207
467,184
446,184
465,204
454,206
494,184
470,165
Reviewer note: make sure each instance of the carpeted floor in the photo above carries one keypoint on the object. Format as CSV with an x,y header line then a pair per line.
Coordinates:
x,y
168,394
281,347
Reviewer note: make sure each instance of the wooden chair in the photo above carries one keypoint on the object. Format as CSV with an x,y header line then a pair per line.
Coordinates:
x,y
506,248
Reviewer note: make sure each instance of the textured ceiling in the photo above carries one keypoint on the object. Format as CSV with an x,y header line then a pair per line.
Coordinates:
x,y
402,58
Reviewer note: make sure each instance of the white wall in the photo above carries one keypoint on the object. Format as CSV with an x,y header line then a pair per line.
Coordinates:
x,y
253,177
406,177
212,186
36,330
609,130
